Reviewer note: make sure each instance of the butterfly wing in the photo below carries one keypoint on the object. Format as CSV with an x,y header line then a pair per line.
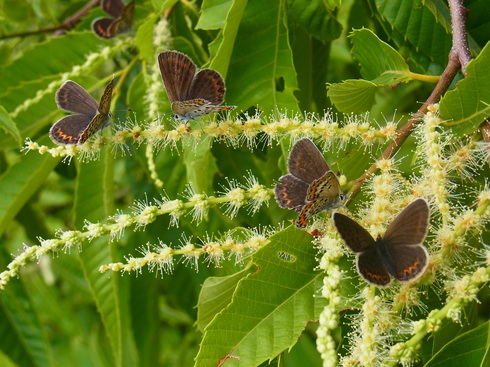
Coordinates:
x,y
322,194
124,21
105,101
369,263
354,235
306,162
307,211
68,129
102,27
97,123
113,7
408,262
291,192
371,267
177,72
326,187
208,85
408,258
410,227
73,98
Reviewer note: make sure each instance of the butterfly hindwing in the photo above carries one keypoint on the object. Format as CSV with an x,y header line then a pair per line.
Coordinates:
x,y
291,198
209,85
408,262
371,268
68,129
102,27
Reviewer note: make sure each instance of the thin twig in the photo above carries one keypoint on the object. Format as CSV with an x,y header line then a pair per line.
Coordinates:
x,y
458,56
67,24
460,37
402,134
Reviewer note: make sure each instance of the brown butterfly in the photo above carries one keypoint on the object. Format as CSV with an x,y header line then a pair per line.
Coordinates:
x,y
398,253
191,94
121,21
91,116
310,187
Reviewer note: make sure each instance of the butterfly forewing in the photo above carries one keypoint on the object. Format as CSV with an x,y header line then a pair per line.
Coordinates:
x,y
353,234
105,101
113,7
291,199
327,187
306,162
178,73
410,227
208,85
73,98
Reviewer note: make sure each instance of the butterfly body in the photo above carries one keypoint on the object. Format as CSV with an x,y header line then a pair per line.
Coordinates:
x,y
189,110
311,186
90,116
192,94
398,254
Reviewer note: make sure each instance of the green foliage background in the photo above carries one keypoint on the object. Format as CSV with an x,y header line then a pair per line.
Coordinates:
x,y
277,56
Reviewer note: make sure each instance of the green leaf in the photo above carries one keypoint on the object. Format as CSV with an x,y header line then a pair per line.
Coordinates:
x,y
263,72
94,202
221,60
375,56
20,182
22,333
200,165
466,350
266,302
145,33
353,95
5,361
413,25
315,17
215,294
448,330
214,13
468,105
380,64
75,49
144,39
8,125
